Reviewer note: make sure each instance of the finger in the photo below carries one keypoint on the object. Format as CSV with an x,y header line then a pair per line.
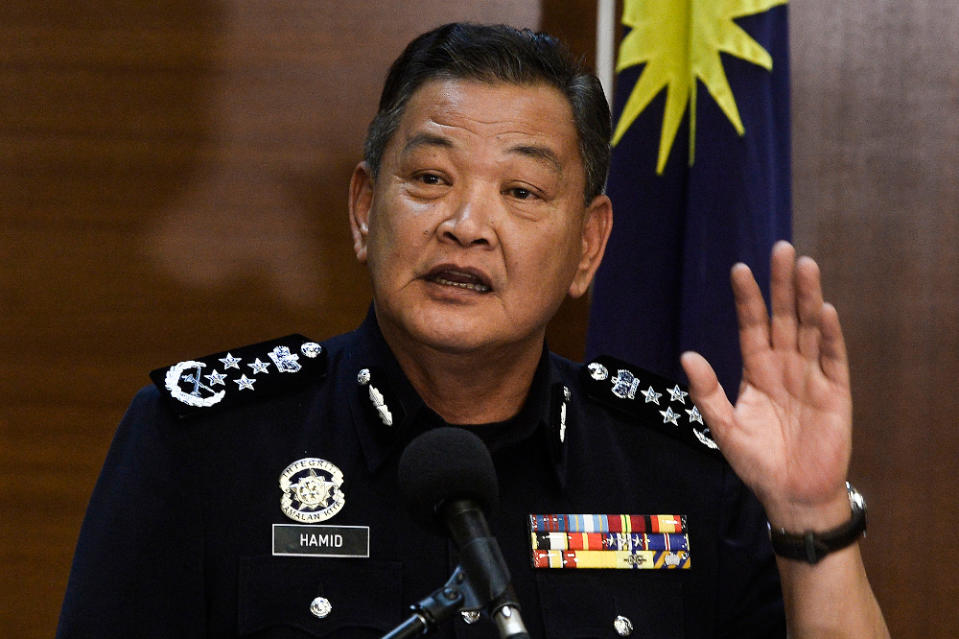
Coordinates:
x,y
834,360
750,312
782,296
707,394
810,305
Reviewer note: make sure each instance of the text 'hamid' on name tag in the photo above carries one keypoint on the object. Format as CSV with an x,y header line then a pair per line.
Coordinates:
x,y
321,541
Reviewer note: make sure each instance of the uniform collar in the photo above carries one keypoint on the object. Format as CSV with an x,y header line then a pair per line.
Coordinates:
x,y
388,412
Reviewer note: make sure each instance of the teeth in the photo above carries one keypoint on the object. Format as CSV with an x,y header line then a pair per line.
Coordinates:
x,y
479,288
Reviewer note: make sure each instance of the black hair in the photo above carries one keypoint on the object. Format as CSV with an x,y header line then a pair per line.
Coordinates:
x,y
497,53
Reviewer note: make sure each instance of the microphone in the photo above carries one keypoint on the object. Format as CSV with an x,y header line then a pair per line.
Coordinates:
x,y
448,481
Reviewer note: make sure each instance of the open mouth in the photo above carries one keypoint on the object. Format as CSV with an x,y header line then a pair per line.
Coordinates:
x,y
468,279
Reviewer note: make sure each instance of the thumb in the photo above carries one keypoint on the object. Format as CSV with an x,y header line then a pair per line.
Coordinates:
x,y
708,395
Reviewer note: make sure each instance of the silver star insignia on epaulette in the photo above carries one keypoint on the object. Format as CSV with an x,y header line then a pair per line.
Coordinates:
x,y
231,362
676,394
651,396
216,378
694,415
669,417
244,383
259,366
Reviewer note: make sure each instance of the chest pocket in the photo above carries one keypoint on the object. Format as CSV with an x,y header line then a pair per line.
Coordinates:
x,y
589,604
294,597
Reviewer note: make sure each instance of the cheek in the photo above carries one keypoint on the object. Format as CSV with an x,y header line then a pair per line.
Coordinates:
x,y
395,243
564,261
546,260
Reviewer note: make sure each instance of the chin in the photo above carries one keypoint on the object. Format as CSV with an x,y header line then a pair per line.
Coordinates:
x,y
455,329
449,338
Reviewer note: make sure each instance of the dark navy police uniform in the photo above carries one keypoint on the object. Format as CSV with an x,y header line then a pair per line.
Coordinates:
x,y
178,540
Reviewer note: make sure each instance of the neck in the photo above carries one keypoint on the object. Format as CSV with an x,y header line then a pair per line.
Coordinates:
x,y
470,388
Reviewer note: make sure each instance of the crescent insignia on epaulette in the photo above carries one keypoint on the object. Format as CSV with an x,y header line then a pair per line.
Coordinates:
x,y
196,397
663,404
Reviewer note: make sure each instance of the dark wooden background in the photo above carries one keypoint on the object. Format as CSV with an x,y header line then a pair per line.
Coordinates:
x,y
173,179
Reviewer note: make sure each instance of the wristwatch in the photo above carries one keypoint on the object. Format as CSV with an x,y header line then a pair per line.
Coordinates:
x,y
812,546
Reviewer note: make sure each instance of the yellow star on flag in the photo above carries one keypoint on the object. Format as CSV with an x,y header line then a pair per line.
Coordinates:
x,y
680,41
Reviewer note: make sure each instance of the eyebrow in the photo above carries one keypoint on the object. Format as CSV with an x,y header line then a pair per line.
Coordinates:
x,y
426,139
542,154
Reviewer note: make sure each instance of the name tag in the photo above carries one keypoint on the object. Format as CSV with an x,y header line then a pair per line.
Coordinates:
x,y
321,541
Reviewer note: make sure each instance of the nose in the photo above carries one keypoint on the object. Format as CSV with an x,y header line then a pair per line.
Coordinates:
x,y
471,221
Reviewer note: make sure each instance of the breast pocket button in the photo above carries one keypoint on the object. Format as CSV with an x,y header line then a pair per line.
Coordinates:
x,y
320,607
623,626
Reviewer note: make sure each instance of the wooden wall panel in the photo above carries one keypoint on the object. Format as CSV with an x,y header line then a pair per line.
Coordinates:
x,y
876,146
172,182
575,24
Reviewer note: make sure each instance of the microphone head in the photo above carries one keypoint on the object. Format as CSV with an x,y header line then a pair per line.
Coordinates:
x,y
444,464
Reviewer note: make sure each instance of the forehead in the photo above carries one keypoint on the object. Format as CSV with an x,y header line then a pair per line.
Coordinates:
x,y
468,112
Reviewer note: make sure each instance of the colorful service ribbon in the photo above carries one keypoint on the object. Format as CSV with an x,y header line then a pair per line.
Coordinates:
x,y
609,541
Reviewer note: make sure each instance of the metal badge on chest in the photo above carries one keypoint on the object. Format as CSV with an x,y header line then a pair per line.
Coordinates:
x,y
310,496
312,493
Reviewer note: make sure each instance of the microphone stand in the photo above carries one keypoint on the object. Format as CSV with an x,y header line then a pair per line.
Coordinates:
x,y
456,594
505,613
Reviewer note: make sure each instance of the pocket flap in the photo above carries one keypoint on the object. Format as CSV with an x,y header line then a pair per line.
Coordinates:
x,y
586,604
358,594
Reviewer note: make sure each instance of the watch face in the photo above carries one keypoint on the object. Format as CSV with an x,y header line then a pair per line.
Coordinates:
x,y
856,500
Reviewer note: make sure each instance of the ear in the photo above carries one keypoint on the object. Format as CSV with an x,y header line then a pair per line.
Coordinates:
x,y
361,202
597,224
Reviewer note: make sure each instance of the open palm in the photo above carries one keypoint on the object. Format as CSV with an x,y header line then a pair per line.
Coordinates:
x,y
788,436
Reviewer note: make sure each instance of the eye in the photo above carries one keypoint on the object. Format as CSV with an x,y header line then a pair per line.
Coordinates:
x,y
430,179
521,193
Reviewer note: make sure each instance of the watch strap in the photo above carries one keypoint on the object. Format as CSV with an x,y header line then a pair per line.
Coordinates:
x,y
811,546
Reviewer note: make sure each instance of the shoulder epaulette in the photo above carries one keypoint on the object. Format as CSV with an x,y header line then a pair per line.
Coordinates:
x,y
647,398
265,369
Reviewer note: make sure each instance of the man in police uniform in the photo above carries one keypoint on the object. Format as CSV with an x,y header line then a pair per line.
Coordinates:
x,y
253,492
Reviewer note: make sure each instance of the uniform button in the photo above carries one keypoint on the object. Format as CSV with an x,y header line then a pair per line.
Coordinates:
x,y
623,626
470,616
320,607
